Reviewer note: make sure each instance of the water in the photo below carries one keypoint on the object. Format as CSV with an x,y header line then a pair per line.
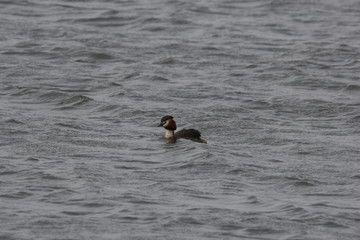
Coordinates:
x,y
272,85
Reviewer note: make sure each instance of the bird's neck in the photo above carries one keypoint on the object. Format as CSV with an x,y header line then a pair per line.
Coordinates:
x,y
169,133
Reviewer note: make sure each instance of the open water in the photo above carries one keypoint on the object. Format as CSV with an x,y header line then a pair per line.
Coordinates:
x,y
273,85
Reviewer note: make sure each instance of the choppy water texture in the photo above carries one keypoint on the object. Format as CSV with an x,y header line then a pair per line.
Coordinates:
x,y
273,85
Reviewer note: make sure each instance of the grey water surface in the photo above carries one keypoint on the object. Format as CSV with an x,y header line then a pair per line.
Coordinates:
x,y
273,86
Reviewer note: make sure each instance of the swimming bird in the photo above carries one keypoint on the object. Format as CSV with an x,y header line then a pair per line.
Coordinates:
x,y
170,125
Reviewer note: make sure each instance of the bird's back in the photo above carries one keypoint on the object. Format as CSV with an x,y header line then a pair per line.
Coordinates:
x,y
188,134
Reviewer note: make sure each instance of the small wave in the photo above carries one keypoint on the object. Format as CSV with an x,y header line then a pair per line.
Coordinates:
x,y
13,122
352,87
75,101
159,78
76,213
68,125
32,159
332,224
23,91
237,171
131,75
17,195
101,56
107,21
47,176
165,61
107,108
298,182
51,96
9,172
94,57
356,177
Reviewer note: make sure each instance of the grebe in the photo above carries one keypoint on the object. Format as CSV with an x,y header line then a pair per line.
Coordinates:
x,y
169,124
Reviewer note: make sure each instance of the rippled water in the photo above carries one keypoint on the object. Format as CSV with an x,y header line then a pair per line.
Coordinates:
x,y
273,86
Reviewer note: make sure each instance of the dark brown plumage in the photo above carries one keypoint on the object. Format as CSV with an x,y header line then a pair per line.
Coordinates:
x,y
188,133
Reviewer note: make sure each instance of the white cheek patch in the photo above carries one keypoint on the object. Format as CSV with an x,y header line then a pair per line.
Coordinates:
x,y
166,123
